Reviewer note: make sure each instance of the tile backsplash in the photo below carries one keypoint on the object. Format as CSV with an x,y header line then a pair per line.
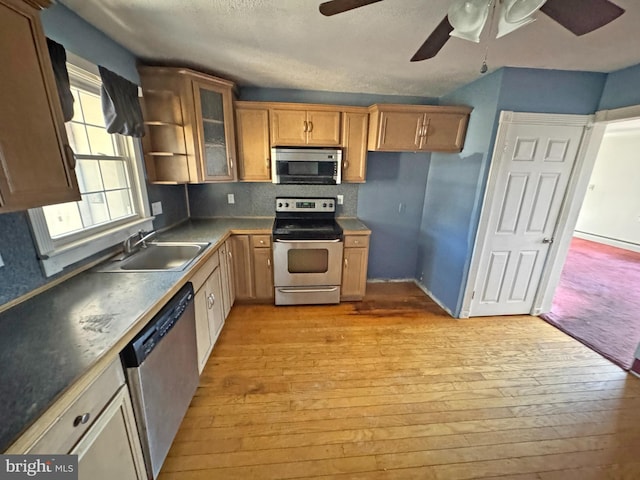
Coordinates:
x,y
258,199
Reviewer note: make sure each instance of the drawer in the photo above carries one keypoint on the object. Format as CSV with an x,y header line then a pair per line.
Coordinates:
x,y
260,241
68,428
356,241
198,278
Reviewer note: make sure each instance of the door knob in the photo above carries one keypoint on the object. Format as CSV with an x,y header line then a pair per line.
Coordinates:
x,y
547,240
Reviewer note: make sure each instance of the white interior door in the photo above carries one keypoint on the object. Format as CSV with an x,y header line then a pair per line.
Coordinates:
x,y
527,188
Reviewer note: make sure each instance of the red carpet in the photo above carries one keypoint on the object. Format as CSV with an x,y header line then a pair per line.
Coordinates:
x,y
598,300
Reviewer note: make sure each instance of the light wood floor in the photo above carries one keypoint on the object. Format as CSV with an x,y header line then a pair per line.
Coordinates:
x,y
393,388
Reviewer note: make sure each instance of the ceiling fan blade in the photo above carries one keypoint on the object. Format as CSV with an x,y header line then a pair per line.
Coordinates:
x,y
435,42
338,6
582,16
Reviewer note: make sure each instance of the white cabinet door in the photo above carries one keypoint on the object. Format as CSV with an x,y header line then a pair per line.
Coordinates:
x,y
111,448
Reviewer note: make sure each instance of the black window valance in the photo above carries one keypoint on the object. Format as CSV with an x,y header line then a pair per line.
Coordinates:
x,y
120,105
58,56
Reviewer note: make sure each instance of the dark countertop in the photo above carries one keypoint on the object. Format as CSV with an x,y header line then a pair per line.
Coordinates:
x,y
51,340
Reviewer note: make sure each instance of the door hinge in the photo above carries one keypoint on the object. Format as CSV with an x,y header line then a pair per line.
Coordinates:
x,y
473,295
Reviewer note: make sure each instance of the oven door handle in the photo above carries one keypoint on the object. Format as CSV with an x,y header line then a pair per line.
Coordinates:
x,y
307,290
309,241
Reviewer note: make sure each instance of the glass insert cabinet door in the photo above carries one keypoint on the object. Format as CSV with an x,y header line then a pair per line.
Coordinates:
x,y
215,114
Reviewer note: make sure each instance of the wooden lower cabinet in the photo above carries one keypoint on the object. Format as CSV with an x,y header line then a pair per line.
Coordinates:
x,y
226,276
111,448
354,267
241,253
253,267
210,314
263,274
106,439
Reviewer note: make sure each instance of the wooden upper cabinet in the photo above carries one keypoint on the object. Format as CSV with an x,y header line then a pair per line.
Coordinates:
x,y
254,153
323,128
213,101
189,125
398,131
397,128
300,126
354,137
36,162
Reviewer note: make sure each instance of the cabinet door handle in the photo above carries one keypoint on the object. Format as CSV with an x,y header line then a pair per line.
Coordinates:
x,y
209,301
71,157
268,164
81,419
426,127
268,263
383,131
230,163
310,127
230,254
345,165
306,126
346,263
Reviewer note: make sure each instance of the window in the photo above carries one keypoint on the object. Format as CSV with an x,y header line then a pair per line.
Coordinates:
x,y
109,170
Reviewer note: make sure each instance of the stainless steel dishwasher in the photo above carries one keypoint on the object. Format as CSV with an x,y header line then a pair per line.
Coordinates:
x,y
162,371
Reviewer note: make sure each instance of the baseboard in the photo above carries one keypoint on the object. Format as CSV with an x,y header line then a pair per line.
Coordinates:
x,y
608,241
390,280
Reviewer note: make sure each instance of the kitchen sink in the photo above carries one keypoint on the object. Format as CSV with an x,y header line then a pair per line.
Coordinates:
x,y
157,256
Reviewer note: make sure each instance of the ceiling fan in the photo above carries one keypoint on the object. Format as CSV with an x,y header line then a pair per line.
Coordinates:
x,y
466,18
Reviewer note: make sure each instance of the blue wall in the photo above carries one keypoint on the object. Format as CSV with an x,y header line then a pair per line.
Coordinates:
x,y
622,89
390,204
453,195
77,36
22,272
456,183
550,91
394,182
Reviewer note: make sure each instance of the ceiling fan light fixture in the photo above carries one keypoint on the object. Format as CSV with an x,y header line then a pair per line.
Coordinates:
x,y
468,17
517,13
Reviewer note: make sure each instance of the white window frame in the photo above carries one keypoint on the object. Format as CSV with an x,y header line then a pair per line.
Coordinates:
x,y
56,254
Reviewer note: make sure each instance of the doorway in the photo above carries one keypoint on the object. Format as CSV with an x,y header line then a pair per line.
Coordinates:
x,y
523,224
597,299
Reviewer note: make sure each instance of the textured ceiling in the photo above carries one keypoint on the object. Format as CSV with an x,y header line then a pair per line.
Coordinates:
x,y
289,44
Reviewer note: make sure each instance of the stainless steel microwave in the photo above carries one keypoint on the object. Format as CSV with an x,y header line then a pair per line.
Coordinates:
x,y
306,166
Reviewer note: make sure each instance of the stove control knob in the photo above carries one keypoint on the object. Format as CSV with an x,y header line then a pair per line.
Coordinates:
x,y
324,205
280,205
331,205
286,204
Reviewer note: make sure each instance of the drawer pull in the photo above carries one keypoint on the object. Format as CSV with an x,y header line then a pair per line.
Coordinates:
x,y
81,419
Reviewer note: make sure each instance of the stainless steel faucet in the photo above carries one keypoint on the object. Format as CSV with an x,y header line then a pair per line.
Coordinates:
x,y
138,239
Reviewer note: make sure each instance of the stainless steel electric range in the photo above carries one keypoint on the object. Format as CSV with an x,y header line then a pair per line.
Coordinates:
x,y
307,251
